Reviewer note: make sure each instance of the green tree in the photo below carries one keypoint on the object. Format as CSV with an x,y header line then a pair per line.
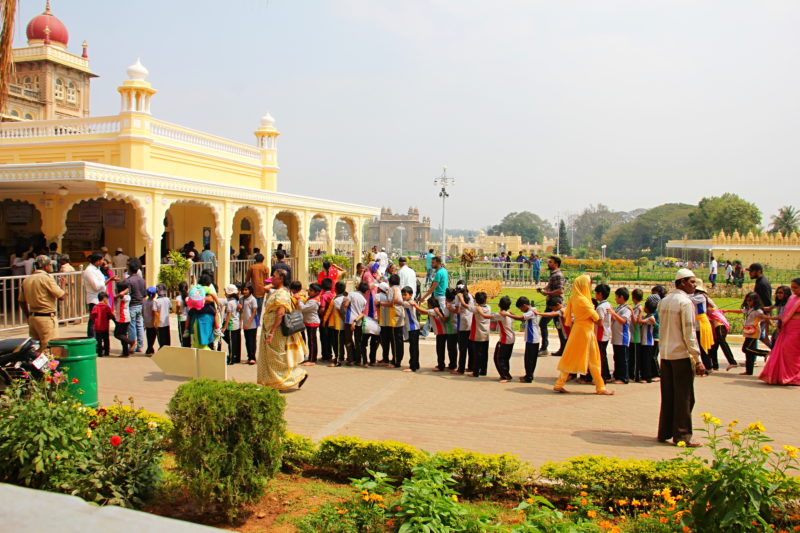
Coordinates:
x,y
786,221
563,239
649,231
593,223
530,226
728,212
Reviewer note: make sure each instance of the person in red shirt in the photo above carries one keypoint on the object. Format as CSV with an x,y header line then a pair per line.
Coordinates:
x,y
100,316
325,299
330,270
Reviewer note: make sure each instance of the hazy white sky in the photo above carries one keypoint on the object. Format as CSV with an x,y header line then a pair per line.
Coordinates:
x,y
545,106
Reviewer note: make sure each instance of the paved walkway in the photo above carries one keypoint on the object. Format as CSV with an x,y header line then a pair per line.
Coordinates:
x,y
437,411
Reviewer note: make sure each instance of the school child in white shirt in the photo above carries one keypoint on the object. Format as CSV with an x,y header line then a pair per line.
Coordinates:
x,y
231,324
505,345
533,336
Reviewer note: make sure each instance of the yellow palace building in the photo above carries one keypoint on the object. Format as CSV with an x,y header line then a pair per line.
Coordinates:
x,y
135,182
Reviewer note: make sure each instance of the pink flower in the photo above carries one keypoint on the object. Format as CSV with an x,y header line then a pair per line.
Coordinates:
x,y
58,377
52,364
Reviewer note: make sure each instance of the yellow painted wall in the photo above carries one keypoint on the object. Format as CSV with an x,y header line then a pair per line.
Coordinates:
x,y
787,259
187,223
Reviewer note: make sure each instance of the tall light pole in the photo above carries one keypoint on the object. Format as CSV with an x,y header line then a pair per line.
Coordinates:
x,y
444,181
401,229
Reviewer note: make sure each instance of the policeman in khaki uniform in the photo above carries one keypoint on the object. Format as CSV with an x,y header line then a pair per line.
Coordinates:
x,y
39,294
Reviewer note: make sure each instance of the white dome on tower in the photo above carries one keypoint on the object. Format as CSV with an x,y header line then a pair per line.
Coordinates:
x,y
267,121
137,71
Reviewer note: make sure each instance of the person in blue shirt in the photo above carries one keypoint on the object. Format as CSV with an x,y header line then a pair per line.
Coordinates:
x,y
428,266
441,281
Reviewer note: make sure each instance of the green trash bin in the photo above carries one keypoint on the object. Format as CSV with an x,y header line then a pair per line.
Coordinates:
x,y
77,358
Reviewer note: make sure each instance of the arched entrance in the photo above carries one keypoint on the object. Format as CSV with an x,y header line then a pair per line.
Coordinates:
x,y
192,223
246,232
319,237
96,222
286,232
20,230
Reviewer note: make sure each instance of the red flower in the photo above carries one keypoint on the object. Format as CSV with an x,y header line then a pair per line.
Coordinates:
x,y
74,381
102,412
116,440
128,430
93,424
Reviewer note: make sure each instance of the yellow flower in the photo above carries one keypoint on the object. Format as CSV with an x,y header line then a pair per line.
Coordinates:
x,y
529,501
615,529
341,511
454,497
152,425
636,503
733,422
681,444
766,448
706,416
88,433
622,502
365,498
591,514
716,421
757,426
791,451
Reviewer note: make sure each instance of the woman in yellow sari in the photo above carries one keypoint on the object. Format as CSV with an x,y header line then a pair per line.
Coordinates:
x,y
279,356
581,351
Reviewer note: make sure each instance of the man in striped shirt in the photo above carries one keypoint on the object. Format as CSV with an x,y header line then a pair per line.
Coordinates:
x,y
680,360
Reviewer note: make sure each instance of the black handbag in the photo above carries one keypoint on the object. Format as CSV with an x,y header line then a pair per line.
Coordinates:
x,y
292,323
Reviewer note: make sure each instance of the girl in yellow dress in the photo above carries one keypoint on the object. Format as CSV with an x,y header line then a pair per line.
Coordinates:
x,y
581,352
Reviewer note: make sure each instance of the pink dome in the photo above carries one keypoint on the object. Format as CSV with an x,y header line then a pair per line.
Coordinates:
x,y
38,26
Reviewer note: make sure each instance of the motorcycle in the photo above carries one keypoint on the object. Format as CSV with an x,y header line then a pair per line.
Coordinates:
x,y
20,359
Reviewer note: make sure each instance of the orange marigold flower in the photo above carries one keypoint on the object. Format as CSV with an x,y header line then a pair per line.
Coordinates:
x,y
686,529
584,501
663,520
591,514
584,493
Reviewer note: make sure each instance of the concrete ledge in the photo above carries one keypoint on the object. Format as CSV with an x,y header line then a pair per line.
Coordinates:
x,y
28,510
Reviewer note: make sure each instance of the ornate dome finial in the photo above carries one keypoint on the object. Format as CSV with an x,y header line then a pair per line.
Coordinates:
x,y
137,71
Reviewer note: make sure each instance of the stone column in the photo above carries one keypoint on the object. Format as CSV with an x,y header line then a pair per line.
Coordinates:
x,y
224,249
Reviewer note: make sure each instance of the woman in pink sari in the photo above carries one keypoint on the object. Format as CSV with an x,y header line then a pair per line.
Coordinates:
x,y
783,364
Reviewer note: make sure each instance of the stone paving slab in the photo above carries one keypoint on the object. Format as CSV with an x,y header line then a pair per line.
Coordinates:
x,y
439,411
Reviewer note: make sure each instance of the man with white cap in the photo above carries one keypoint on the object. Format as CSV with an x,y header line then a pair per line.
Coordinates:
x,y
680,360
383,261
120,260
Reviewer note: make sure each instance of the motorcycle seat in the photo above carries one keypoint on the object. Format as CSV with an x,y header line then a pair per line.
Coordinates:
x,y
12,345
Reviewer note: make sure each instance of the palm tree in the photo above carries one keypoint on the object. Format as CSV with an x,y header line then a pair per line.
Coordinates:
x,y
8,10
786,221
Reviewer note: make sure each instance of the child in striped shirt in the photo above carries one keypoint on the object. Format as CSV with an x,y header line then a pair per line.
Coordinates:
x,y
533,336
412,328
479,331
505,345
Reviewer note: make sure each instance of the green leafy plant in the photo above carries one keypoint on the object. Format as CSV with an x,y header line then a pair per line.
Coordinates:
x,y
353,457
428,503
479,474
42,435
298,452
745,483
227,440
177,270
124,465
541,516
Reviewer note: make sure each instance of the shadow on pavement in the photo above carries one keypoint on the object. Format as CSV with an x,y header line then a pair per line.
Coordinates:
x,y
617,438
160,376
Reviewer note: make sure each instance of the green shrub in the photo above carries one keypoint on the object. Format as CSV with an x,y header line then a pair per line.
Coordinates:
x,y
353,457
480,474
42,436
174,272
227,440
611,478
50,442
298,451
340,260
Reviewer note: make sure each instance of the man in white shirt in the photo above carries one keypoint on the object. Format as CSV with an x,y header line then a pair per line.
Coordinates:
x,y
680,360
712,272
94,282
383,261
408,278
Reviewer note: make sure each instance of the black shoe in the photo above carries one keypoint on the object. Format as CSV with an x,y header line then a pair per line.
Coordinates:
x,y
557,354
302,382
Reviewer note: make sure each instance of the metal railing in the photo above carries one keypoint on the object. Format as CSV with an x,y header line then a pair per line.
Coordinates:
x,y
239,269
72,307
510,274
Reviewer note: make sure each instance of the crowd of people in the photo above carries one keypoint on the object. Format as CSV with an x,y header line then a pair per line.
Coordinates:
x,y
605,336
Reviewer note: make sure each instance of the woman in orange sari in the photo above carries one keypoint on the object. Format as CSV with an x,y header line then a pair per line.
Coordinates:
x,y
581,352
